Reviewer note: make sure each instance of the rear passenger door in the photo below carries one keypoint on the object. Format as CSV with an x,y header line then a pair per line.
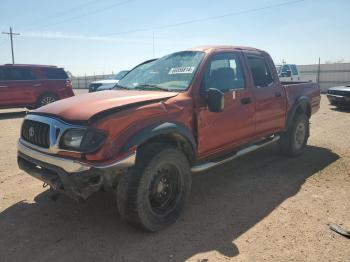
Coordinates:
x,y
54,79
269,95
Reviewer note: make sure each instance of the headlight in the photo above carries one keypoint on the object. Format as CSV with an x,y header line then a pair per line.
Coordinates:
x,y
82,140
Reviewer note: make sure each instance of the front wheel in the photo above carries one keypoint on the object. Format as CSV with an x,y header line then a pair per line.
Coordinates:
x,y
293,141
153,194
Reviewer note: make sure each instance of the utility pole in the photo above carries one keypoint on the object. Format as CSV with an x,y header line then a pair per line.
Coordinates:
x,y
153,47
11,34
318,70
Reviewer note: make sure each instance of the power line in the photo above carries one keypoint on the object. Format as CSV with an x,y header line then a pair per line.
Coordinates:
x,y
11,34
86,14
179,23
64,12
206,18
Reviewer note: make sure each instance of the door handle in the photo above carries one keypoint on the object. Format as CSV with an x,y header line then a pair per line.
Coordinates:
x,y
278,94
246,101
3,86
37,85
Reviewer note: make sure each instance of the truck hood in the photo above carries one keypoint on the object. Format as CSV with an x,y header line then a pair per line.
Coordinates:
x,y
83,107
340,88
106,81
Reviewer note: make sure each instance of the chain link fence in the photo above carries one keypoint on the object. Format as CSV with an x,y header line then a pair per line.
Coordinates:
x,y
327,75
83,82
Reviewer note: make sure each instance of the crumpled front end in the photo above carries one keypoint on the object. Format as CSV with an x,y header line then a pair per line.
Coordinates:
x,y
76,179
39,155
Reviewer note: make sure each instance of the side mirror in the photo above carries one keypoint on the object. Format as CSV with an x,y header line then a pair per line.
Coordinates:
x,y
216,100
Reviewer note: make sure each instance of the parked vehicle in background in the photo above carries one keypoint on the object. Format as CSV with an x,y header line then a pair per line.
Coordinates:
x,y
106,84
180,114
339,96
32,86
288,73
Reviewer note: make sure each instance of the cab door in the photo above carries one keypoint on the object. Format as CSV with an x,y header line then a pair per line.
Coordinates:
x,y
270,97
221,131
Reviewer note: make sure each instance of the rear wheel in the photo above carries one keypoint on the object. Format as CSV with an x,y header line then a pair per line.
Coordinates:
x,y
293,142
153,194
46,99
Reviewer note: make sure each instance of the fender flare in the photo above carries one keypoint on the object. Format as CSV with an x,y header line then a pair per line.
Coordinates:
x,y
302,103
165,128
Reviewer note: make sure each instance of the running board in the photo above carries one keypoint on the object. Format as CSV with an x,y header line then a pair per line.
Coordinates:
x,y
260,144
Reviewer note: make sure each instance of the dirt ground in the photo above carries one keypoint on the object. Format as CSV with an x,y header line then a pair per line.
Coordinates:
x,y
261,207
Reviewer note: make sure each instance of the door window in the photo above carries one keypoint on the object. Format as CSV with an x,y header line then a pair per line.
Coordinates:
x,y
55,74
19,74
2,74
261,72
285,69
224,73
294,70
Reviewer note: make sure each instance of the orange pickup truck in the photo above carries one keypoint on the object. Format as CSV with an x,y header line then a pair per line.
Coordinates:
x,y
166,119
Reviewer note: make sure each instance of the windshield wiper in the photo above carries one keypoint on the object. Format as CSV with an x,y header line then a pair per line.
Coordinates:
x,y
145,87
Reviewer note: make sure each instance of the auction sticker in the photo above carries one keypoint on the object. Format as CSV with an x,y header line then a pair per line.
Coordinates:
x,y
181,70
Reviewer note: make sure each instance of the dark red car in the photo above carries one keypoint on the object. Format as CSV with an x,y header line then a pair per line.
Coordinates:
x,y
32,86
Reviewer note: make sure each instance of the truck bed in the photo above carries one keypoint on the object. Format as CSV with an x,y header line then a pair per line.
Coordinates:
x,y
295,90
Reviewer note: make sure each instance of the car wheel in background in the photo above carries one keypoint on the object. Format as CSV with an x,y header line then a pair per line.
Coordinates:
x,y
46,99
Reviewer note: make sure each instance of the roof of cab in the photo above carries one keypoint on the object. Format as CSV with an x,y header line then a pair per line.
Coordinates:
x,y
210,48
28,65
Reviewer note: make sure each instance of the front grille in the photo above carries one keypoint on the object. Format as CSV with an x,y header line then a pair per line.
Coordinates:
x,y
93,87
36,133
339,93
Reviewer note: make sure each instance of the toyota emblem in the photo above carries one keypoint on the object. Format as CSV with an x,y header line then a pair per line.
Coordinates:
x,y
31,131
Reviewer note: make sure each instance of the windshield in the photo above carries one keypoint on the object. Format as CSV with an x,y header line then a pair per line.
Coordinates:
x,y
120,75
171,72
278,68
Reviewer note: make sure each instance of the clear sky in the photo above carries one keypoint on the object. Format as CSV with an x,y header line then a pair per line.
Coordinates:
x,y
105,36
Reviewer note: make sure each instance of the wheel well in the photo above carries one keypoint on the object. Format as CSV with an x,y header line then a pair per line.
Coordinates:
x,y
177,140
304,108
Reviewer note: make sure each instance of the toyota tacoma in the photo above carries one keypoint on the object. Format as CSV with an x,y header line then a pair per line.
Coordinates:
x,y
181,114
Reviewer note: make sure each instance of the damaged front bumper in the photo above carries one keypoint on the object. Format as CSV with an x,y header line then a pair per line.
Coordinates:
x,y
74,178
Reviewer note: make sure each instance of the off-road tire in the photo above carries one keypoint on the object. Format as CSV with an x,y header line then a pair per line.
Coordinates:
x,y
135,189
293,141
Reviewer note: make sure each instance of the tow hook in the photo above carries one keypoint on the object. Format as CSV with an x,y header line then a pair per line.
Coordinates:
x,y
53,190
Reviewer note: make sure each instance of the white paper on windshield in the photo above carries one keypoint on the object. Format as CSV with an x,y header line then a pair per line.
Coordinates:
x,y
181,70
233,94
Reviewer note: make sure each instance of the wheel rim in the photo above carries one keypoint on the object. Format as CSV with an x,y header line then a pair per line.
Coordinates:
x,y
300,134
164,189
47,100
